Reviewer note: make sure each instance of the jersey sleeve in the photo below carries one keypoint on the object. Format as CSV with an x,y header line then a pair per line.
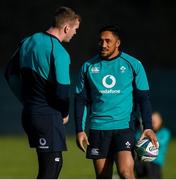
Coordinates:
x,y
141,78
81,101
62,78
141,93
62,68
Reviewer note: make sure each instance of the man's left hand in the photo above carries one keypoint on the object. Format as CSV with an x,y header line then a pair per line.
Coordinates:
x,y
151,135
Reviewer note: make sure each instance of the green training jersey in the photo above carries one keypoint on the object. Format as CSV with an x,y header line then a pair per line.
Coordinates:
x,y
108,86
44,65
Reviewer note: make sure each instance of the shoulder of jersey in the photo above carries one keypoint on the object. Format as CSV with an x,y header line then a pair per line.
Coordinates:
x,y
91,61
34,38
130,58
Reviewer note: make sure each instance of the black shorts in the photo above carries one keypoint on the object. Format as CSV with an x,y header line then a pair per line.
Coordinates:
x,y
105,143
45,132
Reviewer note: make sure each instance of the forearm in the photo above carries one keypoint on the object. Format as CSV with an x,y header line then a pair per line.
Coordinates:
x,y
143,100
62,99
80,113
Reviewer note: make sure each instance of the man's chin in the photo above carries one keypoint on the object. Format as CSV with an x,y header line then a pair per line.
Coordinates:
x,y
104,56
66,40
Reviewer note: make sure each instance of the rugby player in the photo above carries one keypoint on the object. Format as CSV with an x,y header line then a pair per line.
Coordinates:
x,y
111,84
44,64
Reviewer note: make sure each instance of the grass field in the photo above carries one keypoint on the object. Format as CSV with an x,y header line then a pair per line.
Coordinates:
x,y
18,161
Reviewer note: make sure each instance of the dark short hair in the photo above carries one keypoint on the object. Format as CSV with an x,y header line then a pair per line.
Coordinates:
x,y
112,28
63,15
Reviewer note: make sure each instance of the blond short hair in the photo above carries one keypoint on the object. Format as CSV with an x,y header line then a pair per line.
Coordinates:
x,y
64,15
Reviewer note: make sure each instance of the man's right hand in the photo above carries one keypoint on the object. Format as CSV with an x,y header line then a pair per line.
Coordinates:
x,y
65,119
82,140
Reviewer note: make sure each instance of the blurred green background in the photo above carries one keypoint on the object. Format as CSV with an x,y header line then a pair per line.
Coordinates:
x,y
18,161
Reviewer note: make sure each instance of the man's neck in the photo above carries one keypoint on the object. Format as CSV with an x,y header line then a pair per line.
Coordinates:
x,y
114,55
55,32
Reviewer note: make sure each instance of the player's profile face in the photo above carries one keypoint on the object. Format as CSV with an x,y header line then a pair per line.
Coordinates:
x,y
72,28
108,45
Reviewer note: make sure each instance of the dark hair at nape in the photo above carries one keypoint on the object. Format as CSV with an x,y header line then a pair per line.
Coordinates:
x,y
112,28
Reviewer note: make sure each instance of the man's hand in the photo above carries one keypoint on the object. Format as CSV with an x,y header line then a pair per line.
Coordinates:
x,y
65,119
82,140
151,135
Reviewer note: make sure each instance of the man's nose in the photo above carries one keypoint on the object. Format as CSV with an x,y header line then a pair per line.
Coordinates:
x,y
104,44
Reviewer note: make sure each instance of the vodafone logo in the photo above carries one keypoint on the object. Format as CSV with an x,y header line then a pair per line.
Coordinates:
x,y
109,81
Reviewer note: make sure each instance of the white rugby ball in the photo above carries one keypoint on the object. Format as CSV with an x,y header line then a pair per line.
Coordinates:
x,y
146,151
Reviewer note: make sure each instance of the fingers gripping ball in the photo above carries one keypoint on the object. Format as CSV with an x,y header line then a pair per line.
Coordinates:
x,y
146,151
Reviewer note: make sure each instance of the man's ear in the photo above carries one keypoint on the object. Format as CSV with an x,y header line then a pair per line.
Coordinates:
x,y
66,28
118,43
